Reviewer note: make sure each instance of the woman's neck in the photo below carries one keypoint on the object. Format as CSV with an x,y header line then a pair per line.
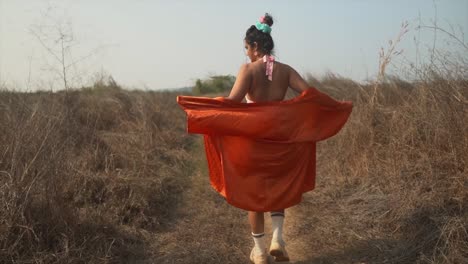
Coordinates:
x,y
259,57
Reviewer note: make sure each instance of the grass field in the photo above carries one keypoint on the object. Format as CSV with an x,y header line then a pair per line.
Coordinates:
x,y
107,175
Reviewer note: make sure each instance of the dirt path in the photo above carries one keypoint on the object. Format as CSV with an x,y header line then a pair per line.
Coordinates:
x,y
208,230
205,229
326,229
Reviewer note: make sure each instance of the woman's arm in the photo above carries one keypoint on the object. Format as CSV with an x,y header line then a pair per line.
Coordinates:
x,y
296,82
242,84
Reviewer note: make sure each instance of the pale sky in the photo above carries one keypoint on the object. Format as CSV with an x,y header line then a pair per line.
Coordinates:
x,y
169,44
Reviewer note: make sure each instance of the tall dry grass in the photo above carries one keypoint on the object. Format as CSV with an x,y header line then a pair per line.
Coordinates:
x,y
97,175
101,175
88,176
394,181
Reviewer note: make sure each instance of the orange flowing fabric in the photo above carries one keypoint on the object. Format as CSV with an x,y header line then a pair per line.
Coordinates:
x,y
261,156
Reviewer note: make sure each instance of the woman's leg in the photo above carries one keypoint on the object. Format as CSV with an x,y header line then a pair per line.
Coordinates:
x,y
277,220
257,222
277,246
257,226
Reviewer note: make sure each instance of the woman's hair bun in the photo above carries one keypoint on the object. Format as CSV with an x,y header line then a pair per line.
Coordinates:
x,y
259,34
268,19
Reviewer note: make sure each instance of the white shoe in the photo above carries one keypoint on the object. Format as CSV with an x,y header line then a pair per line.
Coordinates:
x,y
278,250
258,258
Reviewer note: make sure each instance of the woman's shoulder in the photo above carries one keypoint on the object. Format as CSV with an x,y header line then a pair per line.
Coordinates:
x,y
253,67
245,68
261,64
283,65
284,68
249,67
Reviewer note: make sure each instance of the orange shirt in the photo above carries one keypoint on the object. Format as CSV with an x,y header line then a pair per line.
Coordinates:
x,y
261,156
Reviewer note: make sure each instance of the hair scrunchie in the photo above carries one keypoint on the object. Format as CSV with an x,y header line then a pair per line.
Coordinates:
x,y
263,27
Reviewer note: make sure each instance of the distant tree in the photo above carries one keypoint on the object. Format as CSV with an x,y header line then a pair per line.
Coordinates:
x,y
55,35
197,89
215,84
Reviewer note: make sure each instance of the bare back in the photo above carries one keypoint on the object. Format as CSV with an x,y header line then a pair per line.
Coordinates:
x,y
252,82
263,90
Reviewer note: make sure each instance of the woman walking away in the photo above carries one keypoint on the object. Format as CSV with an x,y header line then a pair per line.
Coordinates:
x,y
261,154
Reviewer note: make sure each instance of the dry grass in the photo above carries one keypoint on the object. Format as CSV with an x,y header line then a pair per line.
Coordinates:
x,y
392,186
206,229
104,175
88,176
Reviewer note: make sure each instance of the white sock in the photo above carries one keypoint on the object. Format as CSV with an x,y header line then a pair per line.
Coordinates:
x,y
259,240
277,220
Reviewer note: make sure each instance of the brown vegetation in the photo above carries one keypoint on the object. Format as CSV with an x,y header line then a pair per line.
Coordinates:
x,y
102,175
392,185
87,176
105,175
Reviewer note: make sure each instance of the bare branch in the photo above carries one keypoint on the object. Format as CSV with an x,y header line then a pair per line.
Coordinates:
x,y
46,47
453,36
